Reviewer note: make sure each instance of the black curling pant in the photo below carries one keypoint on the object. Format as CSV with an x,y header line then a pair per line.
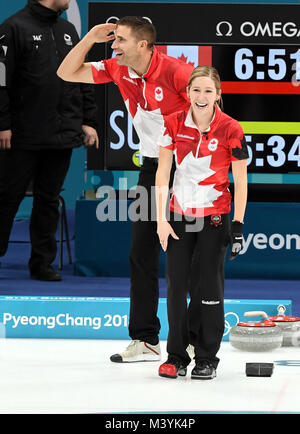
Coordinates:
x,y
195,262
47,169
144,256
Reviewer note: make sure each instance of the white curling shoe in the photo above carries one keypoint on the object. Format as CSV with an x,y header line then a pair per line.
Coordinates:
x,y
138,351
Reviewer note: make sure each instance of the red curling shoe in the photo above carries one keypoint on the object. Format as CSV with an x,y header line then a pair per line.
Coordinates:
x,y
171,369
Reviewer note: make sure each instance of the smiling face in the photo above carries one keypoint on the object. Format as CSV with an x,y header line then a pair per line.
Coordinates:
x,y
126,47
203,94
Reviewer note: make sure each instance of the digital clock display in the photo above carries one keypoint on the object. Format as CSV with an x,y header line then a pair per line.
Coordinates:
x,y
274,151
257,56
261,89
274,64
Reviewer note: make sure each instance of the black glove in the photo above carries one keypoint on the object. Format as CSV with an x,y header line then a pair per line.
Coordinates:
x,y
236,239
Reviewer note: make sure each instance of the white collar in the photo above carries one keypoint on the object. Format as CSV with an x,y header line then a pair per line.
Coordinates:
x,y
190,123
133,74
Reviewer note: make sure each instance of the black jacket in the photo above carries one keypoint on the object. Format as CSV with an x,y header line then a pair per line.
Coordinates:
x,y
42,110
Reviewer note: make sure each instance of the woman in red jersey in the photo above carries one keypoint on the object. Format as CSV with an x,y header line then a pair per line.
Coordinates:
x,y
195,234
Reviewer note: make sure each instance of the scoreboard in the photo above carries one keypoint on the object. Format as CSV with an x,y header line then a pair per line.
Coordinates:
x,y
255,48
261,88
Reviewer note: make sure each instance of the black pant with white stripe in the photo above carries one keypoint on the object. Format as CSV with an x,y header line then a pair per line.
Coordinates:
x,y
195,264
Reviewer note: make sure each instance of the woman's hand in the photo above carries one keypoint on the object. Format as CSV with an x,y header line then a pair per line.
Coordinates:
x,y
164,229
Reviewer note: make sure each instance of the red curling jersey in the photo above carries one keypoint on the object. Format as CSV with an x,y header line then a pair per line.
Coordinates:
x,y
159,92
201,181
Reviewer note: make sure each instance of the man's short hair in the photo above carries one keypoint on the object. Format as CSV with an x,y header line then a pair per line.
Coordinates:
x,y
140,27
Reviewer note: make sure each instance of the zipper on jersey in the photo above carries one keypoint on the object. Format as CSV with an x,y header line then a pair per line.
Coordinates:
x,y
198,147
144,92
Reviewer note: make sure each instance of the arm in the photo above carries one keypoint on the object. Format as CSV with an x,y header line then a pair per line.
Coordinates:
x,y
89,111
239,158
89,107
73,68
164,229
7,66
239,172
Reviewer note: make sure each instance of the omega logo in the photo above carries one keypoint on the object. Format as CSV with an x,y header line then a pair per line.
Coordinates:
x,y
226,27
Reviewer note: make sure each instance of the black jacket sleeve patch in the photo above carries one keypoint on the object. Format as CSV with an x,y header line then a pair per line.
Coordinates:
x,y
241,153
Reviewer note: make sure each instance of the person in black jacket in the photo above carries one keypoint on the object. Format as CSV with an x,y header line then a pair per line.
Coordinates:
x,y
42,118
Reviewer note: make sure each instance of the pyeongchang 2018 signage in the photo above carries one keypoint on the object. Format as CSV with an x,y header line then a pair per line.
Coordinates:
x,y
271,242
96,317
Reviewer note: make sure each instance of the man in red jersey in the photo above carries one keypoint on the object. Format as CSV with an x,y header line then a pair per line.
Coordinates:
x,y
152,85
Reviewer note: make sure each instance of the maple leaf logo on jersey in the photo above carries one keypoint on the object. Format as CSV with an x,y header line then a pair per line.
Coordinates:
x,y
184,59
186,188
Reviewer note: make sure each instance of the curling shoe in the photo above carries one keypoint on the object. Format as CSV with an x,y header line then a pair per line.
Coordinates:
x,y
138,351
171,369
203,370
45,273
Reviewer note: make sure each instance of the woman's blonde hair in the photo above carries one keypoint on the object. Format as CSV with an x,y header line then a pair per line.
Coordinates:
x,y
208,71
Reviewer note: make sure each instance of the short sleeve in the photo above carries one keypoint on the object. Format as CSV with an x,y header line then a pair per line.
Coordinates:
x,y
237,143
101,71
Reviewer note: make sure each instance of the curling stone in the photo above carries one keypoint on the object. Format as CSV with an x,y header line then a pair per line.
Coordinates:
x,y
256,336
290,326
